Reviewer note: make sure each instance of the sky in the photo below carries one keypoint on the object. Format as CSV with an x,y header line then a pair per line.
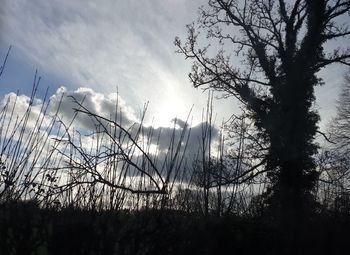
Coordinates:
x,y
111,46
124,46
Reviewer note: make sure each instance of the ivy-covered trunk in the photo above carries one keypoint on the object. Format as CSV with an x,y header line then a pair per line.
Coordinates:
x,y
291,126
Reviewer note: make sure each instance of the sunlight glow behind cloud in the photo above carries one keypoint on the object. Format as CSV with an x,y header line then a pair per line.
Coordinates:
x,y
28,123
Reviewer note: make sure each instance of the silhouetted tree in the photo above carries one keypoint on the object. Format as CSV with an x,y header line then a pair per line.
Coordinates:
x,y
281,48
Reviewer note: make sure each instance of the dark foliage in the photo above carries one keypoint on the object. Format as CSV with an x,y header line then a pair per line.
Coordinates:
x,y
26,229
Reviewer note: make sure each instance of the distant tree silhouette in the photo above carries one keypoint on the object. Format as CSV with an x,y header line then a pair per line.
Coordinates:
x,y
281,48
340,126
335,160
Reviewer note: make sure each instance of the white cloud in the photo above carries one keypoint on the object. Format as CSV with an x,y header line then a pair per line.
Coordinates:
x,y
110,106
20,111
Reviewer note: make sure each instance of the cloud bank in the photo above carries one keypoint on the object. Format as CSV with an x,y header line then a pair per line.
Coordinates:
x,y
165,145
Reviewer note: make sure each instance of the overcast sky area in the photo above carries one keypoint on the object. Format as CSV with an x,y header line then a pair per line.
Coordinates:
x,y
113,45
